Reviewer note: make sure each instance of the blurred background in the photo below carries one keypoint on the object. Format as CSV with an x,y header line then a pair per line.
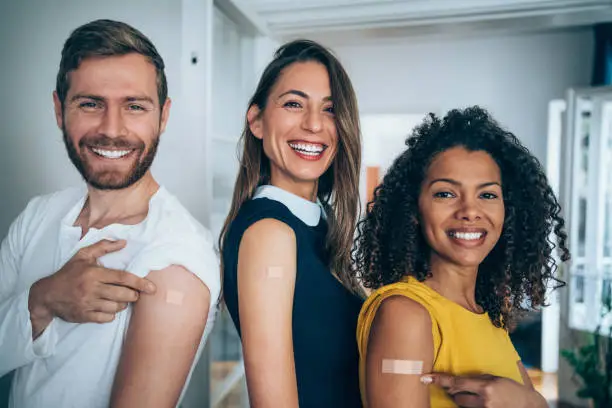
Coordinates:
x,y
540,66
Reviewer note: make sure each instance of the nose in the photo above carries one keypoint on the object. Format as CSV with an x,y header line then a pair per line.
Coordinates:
x,y
468,210
313,122
112,123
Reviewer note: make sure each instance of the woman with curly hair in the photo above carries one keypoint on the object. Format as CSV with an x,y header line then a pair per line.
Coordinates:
x,y
456,244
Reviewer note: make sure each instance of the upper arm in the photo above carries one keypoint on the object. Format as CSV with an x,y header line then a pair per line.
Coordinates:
x,y
162,340
8,263
266,281
524,375
401,334
12,248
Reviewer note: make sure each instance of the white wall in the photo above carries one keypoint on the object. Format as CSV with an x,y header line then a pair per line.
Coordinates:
x,y
32,155
514,76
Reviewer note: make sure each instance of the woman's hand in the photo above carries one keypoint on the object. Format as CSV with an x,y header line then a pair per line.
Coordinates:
x,y
486,391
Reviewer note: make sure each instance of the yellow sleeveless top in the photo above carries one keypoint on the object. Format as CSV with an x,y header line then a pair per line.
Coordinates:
x,y
464,342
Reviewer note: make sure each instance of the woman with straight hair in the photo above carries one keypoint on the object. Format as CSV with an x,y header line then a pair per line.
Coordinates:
x,y
286,243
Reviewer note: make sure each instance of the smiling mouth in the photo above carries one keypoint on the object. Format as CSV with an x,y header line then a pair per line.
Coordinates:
x,y
467,236
111,154
308,150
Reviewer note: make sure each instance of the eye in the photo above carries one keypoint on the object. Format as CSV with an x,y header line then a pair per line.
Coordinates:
x,y
134,107
489,196
444,194
89,105
330,109
292,105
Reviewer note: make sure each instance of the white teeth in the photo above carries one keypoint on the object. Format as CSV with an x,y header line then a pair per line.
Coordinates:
x,y
309,149
469,236
308,153
110,154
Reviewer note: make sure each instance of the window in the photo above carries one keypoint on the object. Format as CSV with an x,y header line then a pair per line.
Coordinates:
x,y
589,206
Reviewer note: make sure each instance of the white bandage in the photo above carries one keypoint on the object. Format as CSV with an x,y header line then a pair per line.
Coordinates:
x,y
405,367
175,297
275,272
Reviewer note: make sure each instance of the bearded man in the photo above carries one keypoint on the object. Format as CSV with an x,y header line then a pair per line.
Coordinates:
x,y
107,291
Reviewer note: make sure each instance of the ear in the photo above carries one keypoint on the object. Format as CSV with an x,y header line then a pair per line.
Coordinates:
x,y
165,114
57,107
254,120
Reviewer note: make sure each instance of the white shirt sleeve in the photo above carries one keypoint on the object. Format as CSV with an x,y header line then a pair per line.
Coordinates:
x,y
16,346
194,253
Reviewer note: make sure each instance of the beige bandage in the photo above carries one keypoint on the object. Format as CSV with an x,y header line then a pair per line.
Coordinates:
x,y
406,367
275,272
175,297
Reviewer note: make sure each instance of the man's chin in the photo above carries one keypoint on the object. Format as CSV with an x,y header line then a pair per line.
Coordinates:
x,y
103,186
111,182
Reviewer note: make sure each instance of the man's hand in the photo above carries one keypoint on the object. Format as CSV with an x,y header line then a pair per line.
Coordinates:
x,y
83,291
486,391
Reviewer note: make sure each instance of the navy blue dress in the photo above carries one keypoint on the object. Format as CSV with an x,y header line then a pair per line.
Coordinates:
x,y
324,312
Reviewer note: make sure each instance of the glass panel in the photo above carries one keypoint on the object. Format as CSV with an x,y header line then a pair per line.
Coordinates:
x,y
582,206
589,292
585,123
607,145
608,218
227,385
606,290
578,306
605,310
578,289
228,107
606,293
584,119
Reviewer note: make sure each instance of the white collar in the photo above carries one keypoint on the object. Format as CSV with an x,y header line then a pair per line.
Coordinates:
x,y
307,211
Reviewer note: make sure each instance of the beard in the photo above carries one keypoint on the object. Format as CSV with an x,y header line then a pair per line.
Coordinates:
x,y
110,179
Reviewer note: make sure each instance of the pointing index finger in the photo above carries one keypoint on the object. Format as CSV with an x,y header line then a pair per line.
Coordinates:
x,y
129,280
456,384
103,247
445,381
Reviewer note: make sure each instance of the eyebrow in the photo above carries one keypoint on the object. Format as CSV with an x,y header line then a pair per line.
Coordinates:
x,y
300,94
86,96
457,183
140,99
102,99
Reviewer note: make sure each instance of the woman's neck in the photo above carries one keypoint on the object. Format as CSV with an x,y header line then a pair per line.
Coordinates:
x,y
306,190
455,282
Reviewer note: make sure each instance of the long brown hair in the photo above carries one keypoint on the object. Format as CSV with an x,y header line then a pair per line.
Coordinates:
x,y
338,187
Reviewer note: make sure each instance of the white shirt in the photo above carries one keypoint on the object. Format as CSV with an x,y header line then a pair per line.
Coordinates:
x,y
70,364
307,211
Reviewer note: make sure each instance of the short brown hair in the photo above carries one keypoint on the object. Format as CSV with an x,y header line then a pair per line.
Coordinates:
x,y
102,38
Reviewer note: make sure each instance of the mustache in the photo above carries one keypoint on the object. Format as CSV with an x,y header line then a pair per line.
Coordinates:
x,y
103,141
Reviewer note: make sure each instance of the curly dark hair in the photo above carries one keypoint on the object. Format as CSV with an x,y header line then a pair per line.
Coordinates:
x,y
390,244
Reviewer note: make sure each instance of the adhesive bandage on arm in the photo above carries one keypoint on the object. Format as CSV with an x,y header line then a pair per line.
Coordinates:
x,y
404,367
174,297
274,272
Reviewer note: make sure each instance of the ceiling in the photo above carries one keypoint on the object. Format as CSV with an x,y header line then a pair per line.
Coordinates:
x,y
346,20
